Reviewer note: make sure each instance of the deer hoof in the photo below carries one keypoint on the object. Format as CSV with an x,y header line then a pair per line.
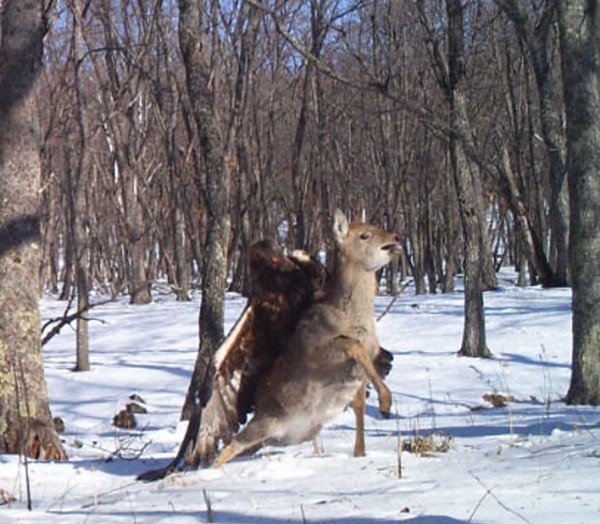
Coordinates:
x,y
385,405
384,413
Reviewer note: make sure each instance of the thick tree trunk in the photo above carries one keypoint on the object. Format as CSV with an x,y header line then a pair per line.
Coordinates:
x,y
217,156
200,84
25,421
579,22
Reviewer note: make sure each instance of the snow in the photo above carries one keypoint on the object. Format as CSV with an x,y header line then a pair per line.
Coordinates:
x,y
535,460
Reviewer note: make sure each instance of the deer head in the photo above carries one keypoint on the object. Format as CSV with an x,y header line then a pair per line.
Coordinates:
x,y
362,244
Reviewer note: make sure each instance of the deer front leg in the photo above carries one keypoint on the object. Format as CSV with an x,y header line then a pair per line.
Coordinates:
x,y
358,352
359,414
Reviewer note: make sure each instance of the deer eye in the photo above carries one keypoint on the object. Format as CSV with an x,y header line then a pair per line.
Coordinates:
x,y
365,235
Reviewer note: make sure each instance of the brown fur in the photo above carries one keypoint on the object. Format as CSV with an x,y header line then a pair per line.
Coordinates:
x,y
326,363
282,288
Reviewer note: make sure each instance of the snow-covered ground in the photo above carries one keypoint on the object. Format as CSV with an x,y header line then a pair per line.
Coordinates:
x,y
535,460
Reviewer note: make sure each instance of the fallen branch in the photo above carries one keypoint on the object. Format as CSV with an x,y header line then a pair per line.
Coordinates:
x,y
489,492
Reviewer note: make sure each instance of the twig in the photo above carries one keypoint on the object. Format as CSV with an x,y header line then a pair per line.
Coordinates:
x,y
67,319
387,309
304,521
400,443
97,497
394,298
489,492
413,107
210,517
67,307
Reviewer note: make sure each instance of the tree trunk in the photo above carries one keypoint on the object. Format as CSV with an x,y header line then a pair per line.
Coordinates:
x,y
474,340
298,176
579,23
532,246
139,284
77,182
182,289
178,233
535,35
200,85
25,421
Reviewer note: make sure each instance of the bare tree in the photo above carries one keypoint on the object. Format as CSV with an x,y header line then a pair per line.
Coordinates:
x,y
451,74
579,22
25,422
77,185
199,57
304,106
534,31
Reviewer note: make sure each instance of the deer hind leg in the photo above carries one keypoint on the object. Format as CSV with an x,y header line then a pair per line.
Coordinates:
x,y
226,454
359,413
358,352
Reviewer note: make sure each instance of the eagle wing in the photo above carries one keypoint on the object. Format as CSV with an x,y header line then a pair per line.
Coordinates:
x,y
282,287
221,417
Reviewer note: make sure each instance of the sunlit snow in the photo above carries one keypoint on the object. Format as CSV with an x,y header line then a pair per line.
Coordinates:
x,y
535,460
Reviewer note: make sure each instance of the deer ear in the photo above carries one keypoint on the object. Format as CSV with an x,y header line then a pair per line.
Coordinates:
x,y
340,225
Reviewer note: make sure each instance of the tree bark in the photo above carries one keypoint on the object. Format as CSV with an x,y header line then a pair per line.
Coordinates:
x,y
139,283
25,422
536,38
77,182
531,243
200,85
579,23
474,339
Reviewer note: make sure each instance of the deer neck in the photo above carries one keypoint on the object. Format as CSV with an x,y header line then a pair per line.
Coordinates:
x,y
352,290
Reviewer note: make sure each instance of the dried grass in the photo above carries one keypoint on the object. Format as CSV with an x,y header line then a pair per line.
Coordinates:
x,y
427,445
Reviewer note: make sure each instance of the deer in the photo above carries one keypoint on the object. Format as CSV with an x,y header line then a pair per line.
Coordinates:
x,y
327,361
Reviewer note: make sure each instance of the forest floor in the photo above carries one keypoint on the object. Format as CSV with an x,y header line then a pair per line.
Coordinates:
x,y
470,440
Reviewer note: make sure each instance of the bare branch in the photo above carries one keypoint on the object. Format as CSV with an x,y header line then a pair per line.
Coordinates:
x,y
66,319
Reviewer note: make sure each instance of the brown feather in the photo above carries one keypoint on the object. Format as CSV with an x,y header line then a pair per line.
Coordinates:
x,y
282,288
